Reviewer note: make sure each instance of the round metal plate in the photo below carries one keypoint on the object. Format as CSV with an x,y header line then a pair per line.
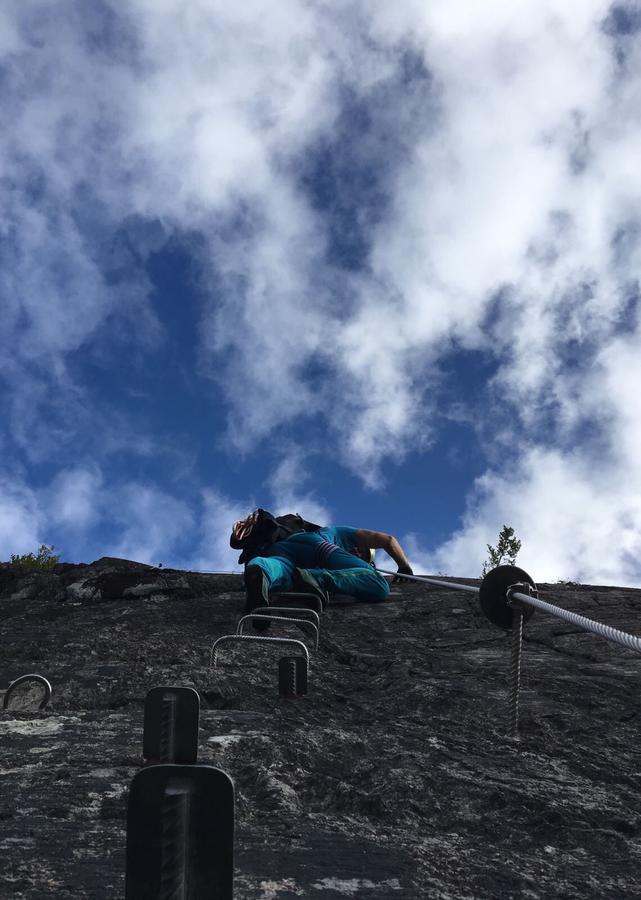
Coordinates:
x,y
492,595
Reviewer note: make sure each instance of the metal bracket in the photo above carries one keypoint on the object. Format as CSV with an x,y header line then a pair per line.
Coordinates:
x,y
522,587
171,719
493,594
292,676
265,616
240,638
180,834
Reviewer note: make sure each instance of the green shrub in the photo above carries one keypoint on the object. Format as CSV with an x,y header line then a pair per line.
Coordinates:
x,y
505,551
43,561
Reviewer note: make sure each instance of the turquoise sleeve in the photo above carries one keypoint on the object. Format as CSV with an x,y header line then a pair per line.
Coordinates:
x,y
344,536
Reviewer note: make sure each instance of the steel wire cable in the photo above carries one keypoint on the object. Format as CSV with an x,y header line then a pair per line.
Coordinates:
x,y
517,646
449,584
605,631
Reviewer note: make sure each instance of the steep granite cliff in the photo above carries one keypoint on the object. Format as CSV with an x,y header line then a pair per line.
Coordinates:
x,y
393,777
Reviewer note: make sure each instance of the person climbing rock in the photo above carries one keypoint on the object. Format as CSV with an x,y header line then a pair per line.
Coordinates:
x,y
313,559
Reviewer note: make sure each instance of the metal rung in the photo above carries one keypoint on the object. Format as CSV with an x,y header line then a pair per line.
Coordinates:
x,y
310,598
25,679
239,638
300,610
266,616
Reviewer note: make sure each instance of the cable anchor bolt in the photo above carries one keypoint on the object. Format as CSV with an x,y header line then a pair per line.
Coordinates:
x,y
523,587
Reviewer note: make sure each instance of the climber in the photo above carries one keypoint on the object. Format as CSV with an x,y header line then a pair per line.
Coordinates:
x,y
326,560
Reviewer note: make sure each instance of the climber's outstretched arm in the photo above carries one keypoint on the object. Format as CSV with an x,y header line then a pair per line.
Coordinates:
x,y
378,540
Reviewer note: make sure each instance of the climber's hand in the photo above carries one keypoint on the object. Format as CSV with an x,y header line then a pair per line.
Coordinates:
x,y
402,570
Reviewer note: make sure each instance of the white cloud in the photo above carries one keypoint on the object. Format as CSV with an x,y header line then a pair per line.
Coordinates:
x,y
574,521
73,498
213,553
82,511
485,184
287,486
21,523
151,522
285,493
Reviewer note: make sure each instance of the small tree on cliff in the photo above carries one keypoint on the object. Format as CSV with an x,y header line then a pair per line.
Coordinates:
x,y
506,550
43,561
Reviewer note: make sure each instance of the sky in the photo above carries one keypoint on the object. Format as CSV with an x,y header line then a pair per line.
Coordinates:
x,y
374,263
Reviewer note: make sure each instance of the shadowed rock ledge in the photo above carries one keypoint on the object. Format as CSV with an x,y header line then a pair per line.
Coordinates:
x,y
391,778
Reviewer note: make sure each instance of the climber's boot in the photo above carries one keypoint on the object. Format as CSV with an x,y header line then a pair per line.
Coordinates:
x,y
305,583
257,592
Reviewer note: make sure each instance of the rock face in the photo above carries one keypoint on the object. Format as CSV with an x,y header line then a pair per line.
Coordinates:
x,y
393,777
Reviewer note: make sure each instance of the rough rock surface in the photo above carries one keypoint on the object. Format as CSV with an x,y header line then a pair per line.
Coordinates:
x,y
392,778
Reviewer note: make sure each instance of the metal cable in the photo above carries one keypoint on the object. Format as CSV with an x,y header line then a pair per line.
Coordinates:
x,y
605,631
517,645
449,584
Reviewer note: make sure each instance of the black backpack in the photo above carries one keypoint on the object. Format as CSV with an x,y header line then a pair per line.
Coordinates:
x,y
266,530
